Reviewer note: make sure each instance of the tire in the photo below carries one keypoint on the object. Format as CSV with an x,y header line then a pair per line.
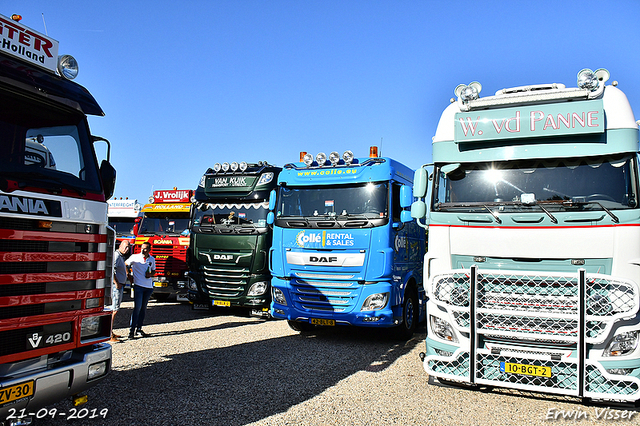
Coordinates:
x,y
410,309
300,326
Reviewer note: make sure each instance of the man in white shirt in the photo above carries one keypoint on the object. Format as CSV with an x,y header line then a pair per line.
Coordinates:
x,y
141,267
119,278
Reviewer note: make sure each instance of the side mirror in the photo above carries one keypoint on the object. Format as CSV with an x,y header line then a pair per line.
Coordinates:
x,y
270,218
420,183
406,196
418,210
405,216
272,200
108,177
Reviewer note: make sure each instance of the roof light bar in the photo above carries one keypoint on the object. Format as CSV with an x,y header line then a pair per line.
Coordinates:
x,y
243,166
334,158
321,158
347,157
307,159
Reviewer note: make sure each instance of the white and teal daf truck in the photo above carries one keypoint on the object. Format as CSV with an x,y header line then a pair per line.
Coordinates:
x,y
533,264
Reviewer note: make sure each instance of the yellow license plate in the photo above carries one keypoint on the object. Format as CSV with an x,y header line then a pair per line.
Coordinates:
x,y
221,303
15,392
526,369
321,321
159,284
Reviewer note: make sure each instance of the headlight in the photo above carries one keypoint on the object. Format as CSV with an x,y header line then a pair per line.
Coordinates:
x,y
278,296
622,344
258,288
191,284
90,327
375,302
442,329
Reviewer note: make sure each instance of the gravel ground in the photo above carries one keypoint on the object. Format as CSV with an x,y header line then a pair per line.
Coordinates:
x,y
229,369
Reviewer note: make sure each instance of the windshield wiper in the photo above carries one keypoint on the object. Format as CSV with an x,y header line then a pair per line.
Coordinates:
x,y
582,203
495,215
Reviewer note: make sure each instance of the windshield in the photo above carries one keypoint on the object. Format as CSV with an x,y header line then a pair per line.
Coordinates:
x,y
603,182
368,200
165,225
122,226
230,215
48,147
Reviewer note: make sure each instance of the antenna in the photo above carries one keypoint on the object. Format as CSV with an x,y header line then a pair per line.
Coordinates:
x,y
45,24
380,147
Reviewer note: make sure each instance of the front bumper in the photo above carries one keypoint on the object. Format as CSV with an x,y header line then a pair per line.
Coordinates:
x,y
60,382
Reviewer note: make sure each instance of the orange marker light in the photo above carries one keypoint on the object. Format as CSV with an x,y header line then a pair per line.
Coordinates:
x,y
373,152
16,17
302,154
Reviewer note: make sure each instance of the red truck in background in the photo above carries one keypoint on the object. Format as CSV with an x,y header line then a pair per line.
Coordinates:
x,y
165,224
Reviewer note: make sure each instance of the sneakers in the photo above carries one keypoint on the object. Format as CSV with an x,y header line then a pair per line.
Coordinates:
x,y
141,333
132,335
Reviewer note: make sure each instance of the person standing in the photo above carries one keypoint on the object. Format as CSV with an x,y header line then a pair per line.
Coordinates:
x,y
141,267
119,278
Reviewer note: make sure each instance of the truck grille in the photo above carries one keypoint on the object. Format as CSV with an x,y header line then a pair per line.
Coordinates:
x,y
519,318
325,296
47,270
170,260
220,281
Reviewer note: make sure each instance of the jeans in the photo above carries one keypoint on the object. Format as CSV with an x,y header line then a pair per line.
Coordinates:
x,y
141,296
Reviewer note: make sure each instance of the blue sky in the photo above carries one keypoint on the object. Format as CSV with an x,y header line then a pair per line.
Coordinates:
x,y
186,84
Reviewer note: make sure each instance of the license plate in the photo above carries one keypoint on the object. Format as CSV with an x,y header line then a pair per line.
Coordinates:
x,y
322,321
221,303
159,284
526,369
16,392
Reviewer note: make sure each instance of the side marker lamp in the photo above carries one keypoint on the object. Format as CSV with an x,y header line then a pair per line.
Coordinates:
x,y
68,67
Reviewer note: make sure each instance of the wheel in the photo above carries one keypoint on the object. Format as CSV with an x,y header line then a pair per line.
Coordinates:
x,y
405,330
300,326
161,296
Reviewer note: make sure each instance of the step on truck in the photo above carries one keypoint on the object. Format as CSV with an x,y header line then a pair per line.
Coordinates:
x,y
165,225
230,238
345,252
533,265
124,216
56,249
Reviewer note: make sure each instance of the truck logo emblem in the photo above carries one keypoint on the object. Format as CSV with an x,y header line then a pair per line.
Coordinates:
x,y
35,340
222,257
323,259
24,205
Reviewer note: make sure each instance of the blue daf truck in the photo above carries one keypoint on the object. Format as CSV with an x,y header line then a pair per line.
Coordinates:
x,y
345,252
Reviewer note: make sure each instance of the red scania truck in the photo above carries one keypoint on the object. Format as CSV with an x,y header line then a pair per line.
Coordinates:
x,y
165,224
55,247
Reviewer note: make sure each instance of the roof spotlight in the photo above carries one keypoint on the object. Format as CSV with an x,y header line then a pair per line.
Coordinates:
x,y
225,167
217,167
587,80
321,158
307,159
334,158
234,166
243,166
347,157
469,92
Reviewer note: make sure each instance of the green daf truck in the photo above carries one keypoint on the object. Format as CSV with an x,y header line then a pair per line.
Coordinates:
x,y
230,238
